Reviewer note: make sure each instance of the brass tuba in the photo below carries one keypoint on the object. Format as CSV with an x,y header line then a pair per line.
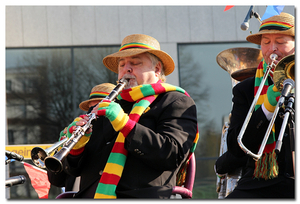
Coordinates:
x,y
240,63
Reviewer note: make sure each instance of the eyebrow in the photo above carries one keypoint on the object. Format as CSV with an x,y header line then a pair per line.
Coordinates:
x,y
264,37
133,57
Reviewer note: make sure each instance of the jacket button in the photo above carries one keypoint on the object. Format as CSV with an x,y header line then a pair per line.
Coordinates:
x,y
259,124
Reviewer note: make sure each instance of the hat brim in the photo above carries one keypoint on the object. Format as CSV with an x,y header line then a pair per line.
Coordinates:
x,y
85,104
111,61
256,38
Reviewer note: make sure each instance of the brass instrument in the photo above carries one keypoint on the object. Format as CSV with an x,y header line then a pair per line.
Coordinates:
x,y
240,63
38,154
283,70
54,163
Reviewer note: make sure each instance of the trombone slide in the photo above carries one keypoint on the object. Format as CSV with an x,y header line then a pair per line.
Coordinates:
x,y
286,64
248,117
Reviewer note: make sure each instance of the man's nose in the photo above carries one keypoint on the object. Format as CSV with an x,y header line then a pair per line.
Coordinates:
x,y
274,47
128,67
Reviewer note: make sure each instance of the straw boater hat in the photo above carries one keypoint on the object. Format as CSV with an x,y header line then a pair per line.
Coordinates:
x,y
279,24
137,44
98,92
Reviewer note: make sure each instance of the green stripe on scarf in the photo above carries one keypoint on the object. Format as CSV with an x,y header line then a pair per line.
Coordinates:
x,y
266,167
107,189
143,95
116,158
147,90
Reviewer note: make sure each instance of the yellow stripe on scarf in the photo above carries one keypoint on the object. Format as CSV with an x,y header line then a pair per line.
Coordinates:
x,y
137,110
82,142
268,106
136,94
120,138
103,196
120,121
113,168
196,138
260,100
168,87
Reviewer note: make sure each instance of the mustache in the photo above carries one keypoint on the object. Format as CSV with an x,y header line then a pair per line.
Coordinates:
x,y
132,83
128,76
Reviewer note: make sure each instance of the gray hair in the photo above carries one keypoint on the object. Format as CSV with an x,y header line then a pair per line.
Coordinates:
x,y
154,59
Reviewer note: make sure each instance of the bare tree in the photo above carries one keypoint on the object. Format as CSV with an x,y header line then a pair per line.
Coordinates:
x,y
57,86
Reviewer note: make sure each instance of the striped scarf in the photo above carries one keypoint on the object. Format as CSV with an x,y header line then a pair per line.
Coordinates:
x,y
143,96
266,167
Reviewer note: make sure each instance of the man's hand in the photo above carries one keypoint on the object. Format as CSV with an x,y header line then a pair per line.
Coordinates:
x,y
113,112
68,131
272,98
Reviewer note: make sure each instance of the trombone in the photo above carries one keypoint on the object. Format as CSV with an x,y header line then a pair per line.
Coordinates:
x,y
280,74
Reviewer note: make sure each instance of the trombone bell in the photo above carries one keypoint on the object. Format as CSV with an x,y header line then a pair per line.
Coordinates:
x,y
285,69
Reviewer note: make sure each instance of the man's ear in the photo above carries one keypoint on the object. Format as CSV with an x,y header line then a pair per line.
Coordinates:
x,y
158,68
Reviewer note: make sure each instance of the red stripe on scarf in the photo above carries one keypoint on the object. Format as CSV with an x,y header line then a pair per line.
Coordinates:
x,y
107,178
269,147
128,127
150,98
158,88
118,148
263,91
76,151
126,95
134,116
186,93
101,112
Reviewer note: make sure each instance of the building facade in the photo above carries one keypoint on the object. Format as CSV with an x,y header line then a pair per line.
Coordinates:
x,y
54,57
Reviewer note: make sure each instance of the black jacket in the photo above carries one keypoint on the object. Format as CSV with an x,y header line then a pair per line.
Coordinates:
x,y
243,95
157,146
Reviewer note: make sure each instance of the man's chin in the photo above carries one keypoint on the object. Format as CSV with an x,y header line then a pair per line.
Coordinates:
x,y
131,85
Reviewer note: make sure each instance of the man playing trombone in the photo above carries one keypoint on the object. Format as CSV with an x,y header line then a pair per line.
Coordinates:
x,y
272,175
139,142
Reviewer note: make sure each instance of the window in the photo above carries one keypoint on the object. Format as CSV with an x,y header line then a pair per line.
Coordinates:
x,y
8,86
44,88
210,87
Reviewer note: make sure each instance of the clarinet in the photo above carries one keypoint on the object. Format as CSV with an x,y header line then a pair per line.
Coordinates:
x,y
54,163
